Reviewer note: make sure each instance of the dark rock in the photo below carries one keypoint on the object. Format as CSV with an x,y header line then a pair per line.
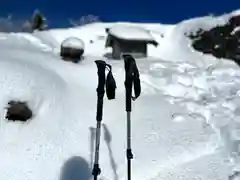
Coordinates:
x,y
71,54
72,49
219,41
235,21
38,21
18,111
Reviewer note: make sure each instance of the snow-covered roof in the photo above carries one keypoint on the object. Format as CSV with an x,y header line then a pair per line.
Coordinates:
x,y
73,42
130,33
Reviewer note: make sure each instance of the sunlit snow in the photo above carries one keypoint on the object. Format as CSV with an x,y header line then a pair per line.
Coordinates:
x,y
185,124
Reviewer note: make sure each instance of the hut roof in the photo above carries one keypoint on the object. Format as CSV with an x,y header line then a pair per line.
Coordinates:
x,y
131,33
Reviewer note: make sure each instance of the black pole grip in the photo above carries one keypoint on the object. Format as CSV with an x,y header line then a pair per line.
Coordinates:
x,y
101,65
128,64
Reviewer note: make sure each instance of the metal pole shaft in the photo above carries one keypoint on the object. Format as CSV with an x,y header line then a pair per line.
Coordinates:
x,y
101,65
129,169
129,153
131,77
128,110
128,87
128,130
97,143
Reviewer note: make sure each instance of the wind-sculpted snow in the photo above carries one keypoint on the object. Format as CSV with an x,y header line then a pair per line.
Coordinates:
x,y
42,88
210,95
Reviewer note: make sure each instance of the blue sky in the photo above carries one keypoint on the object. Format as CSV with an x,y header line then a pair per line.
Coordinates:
x,y
163,11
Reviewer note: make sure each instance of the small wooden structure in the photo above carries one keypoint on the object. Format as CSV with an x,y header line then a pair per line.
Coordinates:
x,y
134,45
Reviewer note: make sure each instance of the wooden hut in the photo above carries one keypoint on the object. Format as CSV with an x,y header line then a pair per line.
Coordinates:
x,y
128,39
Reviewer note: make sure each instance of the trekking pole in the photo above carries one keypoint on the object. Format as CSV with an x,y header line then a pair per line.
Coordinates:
x,y
110,86
131,77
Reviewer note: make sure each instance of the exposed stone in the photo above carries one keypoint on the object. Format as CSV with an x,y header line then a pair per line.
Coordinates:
x,y
72,49
221,41
18,111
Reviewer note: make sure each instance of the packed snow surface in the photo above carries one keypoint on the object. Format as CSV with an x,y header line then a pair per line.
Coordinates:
x,y
185,124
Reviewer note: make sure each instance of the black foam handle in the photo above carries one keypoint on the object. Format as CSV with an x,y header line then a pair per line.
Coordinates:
x,y
101,65
128,64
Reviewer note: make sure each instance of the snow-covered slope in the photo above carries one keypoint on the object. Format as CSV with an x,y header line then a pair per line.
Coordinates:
x,y
184,125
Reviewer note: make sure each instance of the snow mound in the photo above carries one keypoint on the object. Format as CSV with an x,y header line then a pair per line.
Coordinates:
x,y
39,86
73,42
130,33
